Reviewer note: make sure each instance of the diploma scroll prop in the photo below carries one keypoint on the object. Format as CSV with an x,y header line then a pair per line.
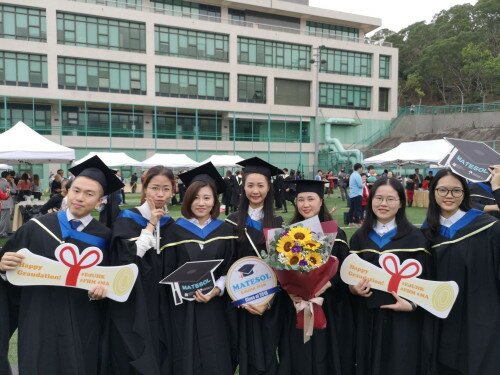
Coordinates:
x,y
74,270
437,297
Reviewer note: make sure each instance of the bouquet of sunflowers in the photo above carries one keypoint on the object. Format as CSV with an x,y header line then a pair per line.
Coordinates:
x,y
301,258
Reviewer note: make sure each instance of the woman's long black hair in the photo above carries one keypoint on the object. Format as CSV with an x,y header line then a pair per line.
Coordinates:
x,y
404,226
323,215
434,211
268,208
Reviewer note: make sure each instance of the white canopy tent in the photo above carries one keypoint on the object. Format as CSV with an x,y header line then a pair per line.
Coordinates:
x,y
112,159
21,144
419,152
227,161
170,161
5,167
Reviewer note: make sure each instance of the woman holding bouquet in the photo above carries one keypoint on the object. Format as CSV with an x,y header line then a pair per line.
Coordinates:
x,y
391,337
466,249
331,350
200,331
137,328
258,327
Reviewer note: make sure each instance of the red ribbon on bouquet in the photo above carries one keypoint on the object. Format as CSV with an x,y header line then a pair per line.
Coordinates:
x,y
409,268
77,262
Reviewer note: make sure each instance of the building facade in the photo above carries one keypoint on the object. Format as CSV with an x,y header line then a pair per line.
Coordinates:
x,y
144,76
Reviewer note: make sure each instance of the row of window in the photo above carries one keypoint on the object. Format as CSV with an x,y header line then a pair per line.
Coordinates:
x,y
323,29
346,62
191,43
106,76
193,84
81,30
113,34
129,123
18,69
22,69
273,54
22,23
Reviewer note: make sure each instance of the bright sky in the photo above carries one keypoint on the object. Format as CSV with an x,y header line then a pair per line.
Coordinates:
x,y
395,14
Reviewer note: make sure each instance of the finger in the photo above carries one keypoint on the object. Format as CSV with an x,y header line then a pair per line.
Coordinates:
x,y
391,307
367,295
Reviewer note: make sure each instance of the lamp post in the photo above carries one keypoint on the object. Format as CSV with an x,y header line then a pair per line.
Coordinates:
x,y
318,61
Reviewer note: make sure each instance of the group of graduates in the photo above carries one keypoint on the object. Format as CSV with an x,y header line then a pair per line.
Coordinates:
x,y
69,331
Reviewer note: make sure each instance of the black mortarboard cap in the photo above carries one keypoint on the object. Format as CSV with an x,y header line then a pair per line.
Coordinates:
x,y
246,270
205,172
95,169
257,165
191,272
305,186
471,159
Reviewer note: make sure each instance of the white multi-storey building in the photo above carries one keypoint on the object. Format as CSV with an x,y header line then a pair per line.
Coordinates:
x,y
146,76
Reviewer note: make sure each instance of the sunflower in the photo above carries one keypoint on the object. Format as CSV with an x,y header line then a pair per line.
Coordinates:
x,y
312,245
294,258
285,245
314,259
300,234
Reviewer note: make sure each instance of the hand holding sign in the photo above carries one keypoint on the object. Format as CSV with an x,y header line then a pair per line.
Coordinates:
x,y
74,270
437,297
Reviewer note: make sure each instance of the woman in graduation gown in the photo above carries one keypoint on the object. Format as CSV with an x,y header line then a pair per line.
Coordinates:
x,y
330,351
200,331
138,328
466,249
392,335
258,327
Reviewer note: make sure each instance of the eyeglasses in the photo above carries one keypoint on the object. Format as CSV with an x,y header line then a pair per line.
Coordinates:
x,y
378,199
157,189
455,192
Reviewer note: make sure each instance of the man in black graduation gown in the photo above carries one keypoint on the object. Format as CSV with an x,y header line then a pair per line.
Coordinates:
x,y
59,329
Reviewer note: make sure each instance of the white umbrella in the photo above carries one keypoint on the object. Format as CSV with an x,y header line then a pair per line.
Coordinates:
x,y
420,152
5,166
227,161
170,160
111,159
21,144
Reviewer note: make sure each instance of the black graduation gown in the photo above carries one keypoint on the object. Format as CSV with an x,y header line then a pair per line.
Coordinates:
x,y
9,297
481,195
469,339
330,351
257,336
201,336
59,329
389,342
138,337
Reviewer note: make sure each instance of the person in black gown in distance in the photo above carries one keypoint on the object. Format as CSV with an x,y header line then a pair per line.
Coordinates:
x,y
392,335
200,328
59,330
256,329
138,328
465,248
330,350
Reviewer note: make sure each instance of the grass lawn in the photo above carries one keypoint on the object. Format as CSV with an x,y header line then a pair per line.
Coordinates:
x,y
415,215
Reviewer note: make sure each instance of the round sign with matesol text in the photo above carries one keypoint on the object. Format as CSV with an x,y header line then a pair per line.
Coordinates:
x,y
251,280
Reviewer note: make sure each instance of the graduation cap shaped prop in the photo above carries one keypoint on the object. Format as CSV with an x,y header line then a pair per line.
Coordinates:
x,y
246,270
305,186
471,159
205,172
257,165
95,169
190,277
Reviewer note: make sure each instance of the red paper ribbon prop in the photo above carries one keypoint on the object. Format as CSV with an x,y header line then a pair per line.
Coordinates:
x,y
76,262
390,263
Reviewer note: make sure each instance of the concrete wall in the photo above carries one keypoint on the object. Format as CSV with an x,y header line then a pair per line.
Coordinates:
x,y
416,124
